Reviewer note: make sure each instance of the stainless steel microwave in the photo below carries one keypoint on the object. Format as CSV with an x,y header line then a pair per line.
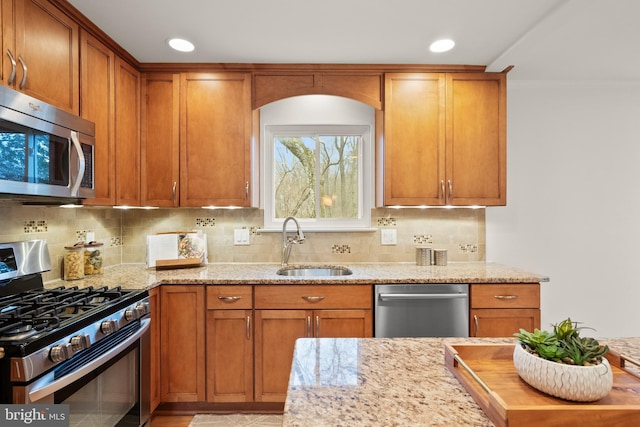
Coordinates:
x,y
45,152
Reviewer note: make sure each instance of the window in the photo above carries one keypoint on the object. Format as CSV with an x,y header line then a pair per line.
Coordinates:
x,y
319,174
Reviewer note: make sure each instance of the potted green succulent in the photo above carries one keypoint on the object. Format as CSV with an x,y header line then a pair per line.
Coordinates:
x,y
562,363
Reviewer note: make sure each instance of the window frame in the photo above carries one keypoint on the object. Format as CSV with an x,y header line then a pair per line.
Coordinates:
x,y
365,176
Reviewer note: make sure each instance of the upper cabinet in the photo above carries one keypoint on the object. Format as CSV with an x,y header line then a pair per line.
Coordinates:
x,y
160,140
476,139
215,139
414,139
444,139
40,52
127,134
97,69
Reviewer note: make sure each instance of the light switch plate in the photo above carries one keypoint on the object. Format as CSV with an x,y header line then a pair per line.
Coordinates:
x,y
388,236
241,236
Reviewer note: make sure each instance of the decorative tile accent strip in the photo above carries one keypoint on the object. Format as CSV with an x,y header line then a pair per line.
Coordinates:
x,y
81,235
340,249
36,226
422,239
116,241
205,222
254,230
464,248
387,222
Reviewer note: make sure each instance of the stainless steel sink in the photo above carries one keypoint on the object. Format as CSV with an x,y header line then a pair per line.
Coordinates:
x,y
314,271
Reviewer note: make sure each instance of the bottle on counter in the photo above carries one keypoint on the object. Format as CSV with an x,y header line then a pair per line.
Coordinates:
x,y
93,258
74,262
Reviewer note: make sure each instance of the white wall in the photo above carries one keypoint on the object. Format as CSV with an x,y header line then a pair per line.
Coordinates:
x,y
573,201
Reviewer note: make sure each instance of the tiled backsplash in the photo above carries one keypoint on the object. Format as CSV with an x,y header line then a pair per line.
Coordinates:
x,y
123,232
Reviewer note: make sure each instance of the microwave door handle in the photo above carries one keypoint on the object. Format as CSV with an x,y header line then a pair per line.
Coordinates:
x,y
81,164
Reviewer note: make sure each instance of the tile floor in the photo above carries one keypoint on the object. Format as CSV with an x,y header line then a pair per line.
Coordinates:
x,y
236,420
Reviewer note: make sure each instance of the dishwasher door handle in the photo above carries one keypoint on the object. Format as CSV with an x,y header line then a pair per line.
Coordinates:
x,y
392,297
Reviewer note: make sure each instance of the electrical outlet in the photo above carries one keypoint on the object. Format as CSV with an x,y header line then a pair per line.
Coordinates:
x,y
241,236
388,236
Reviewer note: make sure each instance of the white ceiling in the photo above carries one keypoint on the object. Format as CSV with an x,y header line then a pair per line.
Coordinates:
x,y
543,39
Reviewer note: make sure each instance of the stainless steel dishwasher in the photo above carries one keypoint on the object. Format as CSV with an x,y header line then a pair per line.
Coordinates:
x,y
422,310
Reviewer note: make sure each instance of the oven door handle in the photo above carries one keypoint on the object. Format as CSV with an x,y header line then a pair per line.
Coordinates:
x,y
45,387
393,297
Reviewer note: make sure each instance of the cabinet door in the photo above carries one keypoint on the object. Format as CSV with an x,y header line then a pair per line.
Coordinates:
x,y
154,304
476,139
414,145
8,41
182,358
343,324
229,356
97,104
46,41
127,132
215,139
160,140
502,322
276,333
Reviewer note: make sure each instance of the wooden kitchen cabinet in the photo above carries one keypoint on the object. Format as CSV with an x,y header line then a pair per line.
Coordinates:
x,y
215,139
445,139
182,356
40,52
160,147
285,313
97,75
476,139
155,348
127,134
414,139
229,344
500,310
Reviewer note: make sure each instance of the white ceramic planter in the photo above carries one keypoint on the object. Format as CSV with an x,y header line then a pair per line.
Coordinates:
x,y
577,383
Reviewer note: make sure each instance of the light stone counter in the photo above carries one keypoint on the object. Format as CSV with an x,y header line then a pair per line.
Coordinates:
x,y
137,276
386,382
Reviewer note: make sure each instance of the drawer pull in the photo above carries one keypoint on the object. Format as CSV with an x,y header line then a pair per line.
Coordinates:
x,y
506,296
312,298
229,299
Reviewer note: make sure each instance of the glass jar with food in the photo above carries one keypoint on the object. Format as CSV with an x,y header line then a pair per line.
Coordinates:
x,y
74,262
93,258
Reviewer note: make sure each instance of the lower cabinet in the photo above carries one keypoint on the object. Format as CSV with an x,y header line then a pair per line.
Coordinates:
x,y
500,310
182,343
229,344
154,307
285,313
234,343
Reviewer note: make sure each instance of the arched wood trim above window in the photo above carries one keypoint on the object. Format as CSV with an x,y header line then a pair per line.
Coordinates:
x,y
363,87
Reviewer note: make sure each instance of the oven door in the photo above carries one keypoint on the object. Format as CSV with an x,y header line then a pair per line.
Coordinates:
x,y
107,386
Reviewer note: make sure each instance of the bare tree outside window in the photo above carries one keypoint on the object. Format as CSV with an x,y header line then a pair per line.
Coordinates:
x,y
317,176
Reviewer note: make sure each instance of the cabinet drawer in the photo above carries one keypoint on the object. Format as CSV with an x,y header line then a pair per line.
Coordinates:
x,y
229,297
506,296
311,297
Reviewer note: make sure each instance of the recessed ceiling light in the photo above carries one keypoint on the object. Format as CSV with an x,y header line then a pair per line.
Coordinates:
x,y
442,45
181,45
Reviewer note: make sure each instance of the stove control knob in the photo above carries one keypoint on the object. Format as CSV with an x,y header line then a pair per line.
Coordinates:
x,y
109,326
60,352
80,342
136,313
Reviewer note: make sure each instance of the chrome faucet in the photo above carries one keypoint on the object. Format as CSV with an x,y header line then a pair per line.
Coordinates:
x,y
288,241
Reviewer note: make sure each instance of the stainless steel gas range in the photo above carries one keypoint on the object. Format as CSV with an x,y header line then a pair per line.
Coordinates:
x,y
85,347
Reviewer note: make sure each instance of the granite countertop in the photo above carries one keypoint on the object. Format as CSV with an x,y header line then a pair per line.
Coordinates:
x,y
138,276
387,382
